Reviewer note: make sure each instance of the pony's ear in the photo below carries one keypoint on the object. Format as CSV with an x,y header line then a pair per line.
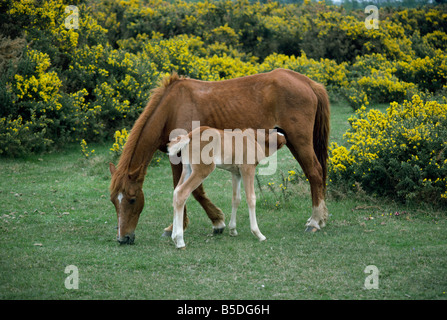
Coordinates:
x,y
137,174
112,168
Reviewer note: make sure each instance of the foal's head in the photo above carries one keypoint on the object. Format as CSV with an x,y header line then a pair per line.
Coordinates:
x,y
127,196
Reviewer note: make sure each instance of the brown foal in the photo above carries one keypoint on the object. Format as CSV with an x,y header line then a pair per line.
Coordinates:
x,y
237,151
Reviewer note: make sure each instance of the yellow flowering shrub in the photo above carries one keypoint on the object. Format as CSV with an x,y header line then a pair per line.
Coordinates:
x,y
401,153
355,97
32,106
19,137
120,137
324,71
85,149
39,85
339,160
120,141
186,55
383,87
223,34
225,67
428,73
69,84
38,94
374,80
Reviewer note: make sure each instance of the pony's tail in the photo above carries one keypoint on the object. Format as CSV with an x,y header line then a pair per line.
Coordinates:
x,y
176,145
321,127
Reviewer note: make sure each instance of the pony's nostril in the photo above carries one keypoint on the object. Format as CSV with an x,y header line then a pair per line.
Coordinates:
x,y
128,239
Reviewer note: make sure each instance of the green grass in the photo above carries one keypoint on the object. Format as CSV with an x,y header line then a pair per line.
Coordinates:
x,y
55,211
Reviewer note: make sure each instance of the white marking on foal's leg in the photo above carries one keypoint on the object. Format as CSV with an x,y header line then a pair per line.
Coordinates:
x,y
319,216
251,200
177,224
235,203
254,225
248,176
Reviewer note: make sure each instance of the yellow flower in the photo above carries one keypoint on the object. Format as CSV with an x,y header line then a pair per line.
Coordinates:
x,y
120,141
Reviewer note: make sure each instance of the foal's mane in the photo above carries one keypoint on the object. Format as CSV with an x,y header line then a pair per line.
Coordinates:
x,y
136,132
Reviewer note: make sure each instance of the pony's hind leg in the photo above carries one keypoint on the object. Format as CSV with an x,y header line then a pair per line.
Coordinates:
x,y
236,177
248,175
306,157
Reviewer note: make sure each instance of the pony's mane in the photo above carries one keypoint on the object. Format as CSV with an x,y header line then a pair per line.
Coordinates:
x,y
135,134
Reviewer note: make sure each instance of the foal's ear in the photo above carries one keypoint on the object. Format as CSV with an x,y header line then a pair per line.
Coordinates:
x,y
112,168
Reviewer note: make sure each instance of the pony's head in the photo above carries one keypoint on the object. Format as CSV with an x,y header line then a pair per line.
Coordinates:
x,y
126,194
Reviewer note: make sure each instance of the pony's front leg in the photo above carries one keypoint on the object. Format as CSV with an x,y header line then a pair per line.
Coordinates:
x,y
236,177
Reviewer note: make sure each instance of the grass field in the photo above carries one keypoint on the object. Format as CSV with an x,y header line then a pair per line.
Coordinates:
x,y
55,212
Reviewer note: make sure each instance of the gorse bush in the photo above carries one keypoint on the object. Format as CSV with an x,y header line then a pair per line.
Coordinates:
x,y
400,153
382,87
30,106
60,85
120,141
429,73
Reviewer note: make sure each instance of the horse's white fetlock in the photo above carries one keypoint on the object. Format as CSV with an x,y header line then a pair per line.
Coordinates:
x,y
233,232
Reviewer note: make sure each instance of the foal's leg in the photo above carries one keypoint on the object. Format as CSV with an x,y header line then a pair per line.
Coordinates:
x,y
176,176
181,194
236,177
215,214
248,175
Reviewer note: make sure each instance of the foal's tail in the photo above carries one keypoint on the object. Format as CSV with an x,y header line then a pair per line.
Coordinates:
x,y
176,145
321,127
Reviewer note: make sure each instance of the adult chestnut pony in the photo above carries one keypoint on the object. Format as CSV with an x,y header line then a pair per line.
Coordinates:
x,y
283,99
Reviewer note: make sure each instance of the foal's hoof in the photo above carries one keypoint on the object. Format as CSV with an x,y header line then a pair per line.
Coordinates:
x,y
311,229
167,234
218,230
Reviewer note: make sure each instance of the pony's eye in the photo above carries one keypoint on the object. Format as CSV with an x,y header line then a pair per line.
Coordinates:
x,y
132,201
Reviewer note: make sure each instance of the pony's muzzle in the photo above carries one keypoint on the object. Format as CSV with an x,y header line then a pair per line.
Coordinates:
x,y
127,239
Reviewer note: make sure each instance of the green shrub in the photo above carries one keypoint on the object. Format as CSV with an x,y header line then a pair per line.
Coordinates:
x,y
383,87
66,85
325,71
401,153
19,137
428,73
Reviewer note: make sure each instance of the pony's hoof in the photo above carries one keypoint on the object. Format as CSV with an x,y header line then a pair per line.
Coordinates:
x,y
311,229
233,233
167,234
181,248
218,230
